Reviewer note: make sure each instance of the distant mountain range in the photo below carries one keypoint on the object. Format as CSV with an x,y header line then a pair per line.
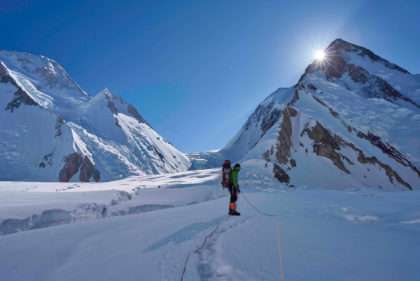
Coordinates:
x,y
50,129
351,120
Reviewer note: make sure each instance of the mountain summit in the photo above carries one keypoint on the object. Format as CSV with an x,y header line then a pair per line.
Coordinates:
x,y
51,129
351,120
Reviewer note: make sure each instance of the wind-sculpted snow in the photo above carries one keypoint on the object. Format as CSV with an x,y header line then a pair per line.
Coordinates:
x,y
44,106
27,206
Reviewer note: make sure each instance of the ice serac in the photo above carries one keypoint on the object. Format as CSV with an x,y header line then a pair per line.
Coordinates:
x,y
352,120
51,129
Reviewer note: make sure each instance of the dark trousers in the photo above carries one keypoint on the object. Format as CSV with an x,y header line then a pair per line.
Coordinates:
x,y
233,194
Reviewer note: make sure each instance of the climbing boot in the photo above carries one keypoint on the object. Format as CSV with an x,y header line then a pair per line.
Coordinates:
x,y
233,212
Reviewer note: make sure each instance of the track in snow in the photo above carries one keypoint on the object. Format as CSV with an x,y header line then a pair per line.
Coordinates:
x,y
209,265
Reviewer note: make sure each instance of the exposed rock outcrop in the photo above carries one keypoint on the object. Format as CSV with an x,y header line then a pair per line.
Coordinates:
x,y
88,171
58,126
269,120
326,145
390,172
77,162
134,113
337,66
65,120
20,96
284,140
47,160
340,45
389,150
323,118
71,166
280,174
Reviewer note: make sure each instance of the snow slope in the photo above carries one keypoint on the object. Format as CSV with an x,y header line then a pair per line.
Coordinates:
x,y
180,231
351,120
51,129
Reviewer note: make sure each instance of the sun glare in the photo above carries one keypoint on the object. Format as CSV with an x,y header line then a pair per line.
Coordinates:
x,y
319,55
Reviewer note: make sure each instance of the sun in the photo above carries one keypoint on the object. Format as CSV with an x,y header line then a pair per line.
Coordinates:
x,y
320,55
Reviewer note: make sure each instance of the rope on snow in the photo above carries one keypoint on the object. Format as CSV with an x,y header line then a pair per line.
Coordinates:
x,y
263,213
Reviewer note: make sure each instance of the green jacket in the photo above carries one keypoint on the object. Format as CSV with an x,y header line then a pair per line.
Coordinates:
x,y
234,177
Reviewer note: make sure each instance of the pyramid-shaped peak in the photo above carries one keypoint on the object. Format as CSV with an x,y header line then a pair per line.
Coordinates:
x,y
106,92
339,47
339,42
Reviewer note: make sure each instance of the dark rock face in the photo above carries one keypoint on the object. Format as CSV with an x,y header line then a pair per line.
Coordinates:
x,y
339,45
358,74
96,176
388,150
267,155
374,86
336,67
284,146
326,145
295,97
265,115
134,113
46,160
3,71
284,143
88,171
391,173
391,94
111,106
58,126
75,162
376,141
20,96
332,111
72,164
269,120
162,158
280,174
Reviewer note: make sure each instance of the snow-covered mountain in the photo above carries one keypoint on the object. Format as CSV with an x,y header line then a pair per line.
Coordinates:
x,y
50,129
351,120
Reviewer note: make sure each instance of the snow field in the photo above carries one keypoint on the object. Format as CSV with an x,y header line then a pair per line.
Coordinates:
x,y
313,233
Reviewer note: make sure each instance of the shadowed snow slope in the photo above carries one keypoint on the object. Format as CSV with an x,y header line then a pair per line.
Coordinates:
x,y
51,129
351,120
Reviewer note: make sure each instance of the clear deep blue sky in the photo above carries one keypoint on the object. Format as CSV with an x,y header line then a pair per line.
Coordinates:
x,y
197,69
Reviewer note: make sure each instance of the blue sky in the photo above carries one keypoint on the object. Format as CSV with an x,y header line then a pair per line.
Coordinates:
x,y
197,69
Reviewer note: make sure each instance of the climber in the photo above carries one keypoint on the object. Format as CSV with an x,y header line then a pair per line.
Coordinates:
x,y
234,190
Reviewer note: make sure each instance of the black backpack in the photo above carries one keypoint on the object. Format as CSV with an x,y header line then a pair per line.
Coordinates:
x,y
226,173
